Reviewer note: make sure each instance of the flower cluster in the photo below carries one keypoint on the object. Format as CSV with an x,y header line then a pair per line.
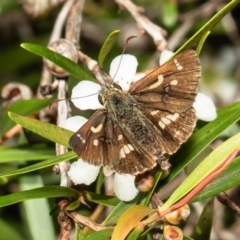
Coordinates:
x,y
124,74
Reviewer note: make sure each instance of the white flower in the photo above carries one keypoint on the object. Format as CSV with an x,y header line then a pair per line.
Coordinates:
x,y
203,105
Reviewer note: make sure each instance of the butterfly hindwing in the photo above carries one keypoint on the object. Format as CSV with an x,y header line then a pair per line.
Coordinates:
x,y
173,129
172,86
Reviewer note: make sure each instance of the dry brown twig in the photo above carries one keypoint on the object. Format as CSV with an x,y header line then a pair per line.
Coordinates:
x,y
188,19
55,35
79,219
157,33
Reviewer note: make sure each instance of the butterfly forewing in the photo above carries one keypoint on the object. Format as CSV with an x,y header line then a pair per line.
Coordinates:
x,y
86,142
173,86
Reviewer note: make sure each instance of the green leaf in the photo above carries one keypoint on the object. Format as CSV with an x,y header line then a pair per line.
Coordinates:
x,y
100,235
107,46
210,163
226,180
9,232
195,39
10,154
201,42
40,165
102,199
42,192
71,67
23,107
46,130
204,225
36,212
169,13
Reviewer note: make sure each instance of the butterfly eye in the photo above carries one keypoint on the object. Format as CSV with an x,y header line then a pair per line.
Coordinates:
x,y
117,86
100,99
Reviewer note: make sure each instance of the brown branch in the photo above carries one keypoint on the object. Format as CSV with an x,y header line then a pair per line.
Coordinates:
x,y
93,66
189,18
55,35
157,33
79,219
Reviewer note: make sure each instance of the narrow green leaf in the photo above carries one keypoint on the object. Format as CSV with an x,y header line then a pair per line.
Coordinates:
x,y
100,235
228,179
10,154
46,130
47,163
169,13
107,46
102,199
204,225
204,168
8,231
37,211
194,40
23,107
202,41
42,192
71,67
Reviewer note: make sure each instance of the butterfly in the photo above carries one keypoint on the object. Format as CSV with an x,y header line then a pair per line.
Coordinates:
x,y
136,128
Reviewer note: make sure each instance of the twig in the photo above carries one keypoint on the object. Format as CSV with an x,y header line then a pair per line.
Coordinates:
x,y
74,22
79,219
189,19
93,66
157,33
56,34
226,200
65,226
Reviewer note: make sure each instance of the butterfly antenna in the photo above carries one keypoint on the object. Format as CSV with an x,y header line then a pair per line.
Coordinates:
x,y
67,99
124,49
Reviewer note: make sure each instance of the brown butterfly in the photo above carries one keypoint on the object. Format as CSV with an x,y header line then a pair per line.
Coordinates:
x,y
138,127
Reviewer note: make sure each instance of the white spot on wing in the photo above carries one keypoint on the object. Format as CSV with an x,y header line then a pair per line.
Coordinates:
x,y
130,147
174,82
165,120
126,149
122,153
120,137
173,117
158,83
97,129
179,67
154,112
161,124
95,142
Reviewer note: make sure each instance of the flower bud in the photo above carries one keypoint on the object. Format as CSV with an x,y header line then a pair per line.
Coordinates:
x,y
65,48
144,182
178,216
172,233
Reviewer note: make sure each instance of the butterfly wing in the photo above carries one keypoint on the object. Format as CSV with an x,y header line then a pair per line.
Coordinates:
x,y
171,87
95,142
172,129
166,96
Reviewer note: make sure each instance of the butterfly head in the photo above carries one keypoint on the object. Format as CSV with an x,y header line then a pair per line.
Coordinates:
x,y
108,90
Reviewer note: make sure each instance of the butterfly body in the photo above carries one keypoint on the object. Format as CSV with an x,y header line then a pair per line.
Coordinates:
x,y
137,127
